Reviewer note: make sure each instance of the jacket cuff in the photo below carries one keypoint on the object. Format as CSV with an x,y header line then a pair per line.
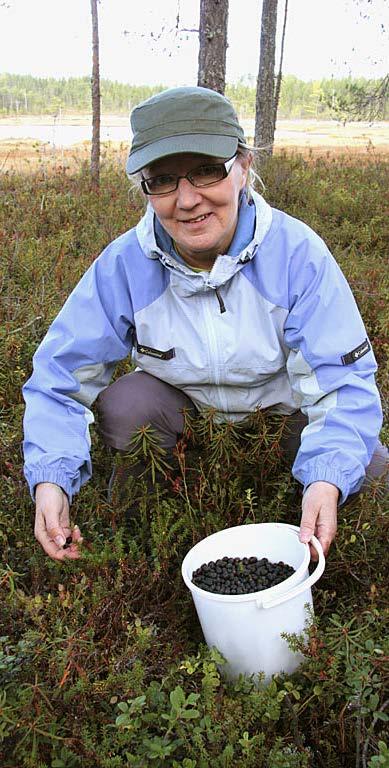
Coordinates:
x,y
324,473
47,476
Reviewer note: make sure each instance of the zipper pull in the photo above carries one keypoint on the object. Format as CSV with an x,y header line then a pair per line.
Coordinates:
x,y
220,300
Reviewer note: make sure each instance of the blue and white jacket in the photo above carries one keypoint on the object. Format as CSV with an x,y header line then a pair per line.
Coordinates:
x,y
272,325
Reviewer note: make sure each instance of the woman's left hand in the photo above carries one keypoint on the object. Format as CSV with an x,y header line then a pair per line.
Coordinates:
x,y
319,514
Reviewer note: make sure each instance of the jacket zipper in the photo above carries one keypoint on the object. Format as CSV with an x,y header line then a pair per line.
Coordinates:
x,y
220,300
214,358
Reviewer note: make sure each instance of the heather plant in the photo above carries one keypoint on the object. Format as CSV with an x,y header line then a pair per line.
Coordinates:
x,y
102,661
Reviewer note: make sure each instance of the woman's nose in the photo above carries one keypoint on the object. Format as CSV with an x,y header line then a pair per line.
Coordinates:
x,y
187,195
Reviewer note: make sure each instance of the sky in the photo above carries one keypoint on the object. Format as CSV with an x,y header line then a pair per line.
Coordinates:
x,y
139,43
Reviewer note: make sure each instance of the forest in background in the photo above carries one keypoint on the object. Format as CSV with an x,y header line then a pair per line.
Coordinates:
x,y
324,99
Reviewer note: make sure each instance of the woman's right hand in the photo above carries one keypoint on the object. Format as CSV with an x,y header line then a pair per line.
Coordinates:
x,y
52,524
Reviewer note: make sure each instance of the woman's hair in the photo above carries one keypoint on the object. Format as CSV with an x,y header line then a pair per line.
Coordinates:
x,y
244,150
135,192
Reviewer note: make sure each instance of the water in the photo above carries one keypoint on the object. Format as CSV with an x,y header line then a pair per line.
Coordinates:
x,y
63,135
308,132
66,135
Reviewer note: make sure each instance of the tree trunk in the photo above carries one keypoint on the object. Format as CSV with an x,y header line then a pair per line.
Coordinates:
x,y
95,152
279,76
264,108
213,44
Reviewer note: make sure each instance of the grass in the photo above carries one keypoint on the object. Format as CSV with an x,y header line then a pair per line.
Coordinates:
x,y
102,662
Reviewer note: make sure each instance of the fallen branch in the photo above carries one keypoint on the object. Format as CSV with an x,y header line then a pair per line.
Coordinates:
x,y
26,325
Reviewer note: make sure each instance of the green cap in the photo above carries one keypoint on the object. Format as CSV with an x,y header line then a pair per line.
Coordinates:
x,y
187,119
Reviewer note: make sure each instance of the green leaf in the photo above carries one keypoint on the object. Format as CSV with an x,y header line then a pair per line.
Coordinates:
x,y
373,701
190,714
216,656
138,703
177,698
381,716
123,720
192,698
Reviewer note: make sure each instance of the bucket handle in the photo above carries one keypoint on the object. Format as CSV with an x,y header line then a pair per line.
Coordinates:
x,y
273,601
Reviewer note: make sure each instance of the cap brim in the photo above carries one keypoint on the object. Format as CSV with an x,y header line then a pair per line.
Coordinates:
x,y
198,144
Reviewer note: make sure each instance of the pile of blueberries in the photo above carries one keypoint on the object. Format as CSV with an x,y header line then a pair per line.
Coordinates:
x,y
240,576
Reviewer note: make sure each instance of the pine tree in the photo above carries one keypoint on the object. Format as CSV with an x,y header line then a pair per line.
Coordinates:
x,y
213,44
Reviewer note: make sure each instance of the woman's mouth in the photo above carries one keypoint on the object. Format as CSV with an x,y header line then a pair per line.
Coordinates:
x,y
197,219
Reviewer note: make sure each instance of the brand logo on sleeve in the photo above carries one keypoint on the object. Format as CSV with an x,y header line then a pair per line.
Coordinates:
x,y
158,353
356,353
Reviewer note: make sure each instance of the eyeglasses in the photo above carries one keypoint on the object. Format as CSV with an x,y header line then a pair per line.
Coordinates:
x,y
203,176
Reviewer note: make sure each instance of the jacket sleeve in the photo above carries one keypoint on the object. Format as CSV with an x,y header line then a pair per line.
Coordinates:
x,y
331,368
74,362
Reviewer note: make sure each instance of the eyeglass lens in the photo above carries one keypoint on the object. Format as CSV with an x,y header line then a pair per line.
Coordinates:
x,y
203,176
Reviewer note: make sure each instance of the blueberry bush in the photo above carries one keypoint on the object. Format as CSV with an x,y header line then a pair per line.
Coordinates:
x,y
102,661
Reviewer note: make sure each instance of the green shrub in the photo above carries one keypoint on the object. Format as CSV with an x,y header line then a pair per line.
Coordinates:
x,y
102,662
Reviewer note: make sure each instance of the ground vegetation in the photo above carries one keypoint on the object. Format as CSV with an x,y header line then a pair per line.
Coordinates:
x,y
102,661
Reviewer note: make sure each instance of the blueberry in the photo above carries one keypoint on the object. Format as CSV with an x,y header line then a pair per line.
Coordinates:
x,y
235,575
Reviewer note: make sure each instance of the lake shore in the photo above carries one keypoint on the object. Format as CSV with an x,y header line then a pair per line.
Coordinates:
x,y
31,142
300,132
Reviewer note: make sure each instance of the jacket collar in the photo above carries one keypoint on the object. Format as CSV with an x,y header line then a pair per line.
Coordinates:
x,y
226,265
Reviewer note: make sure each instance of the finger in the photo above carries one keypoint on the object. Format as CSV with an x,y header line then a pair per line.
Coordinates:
x,y
53,537
76,534
50,547
58,552
58,535
325,541
48,520
326,529
57,525
47,533
325,533
72,549
307,525
72,553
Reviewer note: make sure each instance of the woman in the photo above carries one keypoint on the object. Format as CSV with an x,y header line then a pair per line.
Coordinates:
x,y
222,302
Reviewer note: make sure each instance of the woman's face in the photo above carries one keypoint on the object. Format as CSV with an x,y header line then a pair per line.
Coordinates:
x,y
200,220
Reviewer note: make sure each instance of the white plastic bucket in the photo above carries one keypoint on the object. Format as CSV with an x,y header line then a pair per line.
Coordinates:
x,y
247,629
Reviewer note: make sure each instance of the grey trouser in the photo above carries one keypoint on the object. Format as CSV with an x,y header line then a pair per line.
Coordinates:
x,y
138,398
